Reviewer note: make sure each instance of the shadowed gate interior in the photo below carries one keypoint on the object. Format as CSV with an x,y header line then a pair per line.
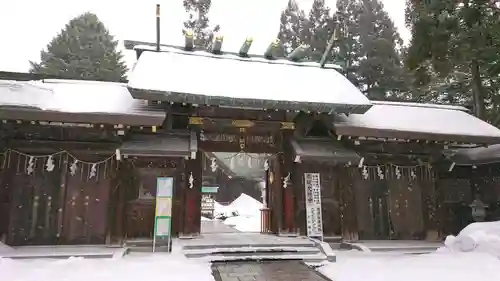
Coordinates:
x,y
233,149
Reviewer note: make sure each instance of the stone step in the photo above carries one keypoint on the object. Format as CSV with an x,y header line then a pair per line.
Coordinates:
x,y
332,239
405,249
310,258
41,252
387,248
145,243
196,253
305,243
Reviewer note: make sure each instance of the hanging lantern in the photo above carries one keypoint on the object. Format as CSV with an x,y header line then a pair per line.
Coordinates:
x,y
49,166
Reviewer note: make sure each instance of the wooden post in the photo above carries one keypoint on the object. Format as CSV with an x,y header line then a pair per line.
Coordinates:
x,y
193,174
62,199
286,162
431,210
275,199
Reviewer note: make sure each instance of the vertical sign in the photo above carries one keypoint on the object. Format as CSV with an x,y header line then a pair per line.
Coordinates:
x,y
313,205
163,215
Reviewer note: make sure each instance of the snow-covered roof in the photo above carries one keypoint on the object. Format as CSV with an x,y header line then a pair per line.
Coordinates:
x,y
418,121
50,98
203,78
477,155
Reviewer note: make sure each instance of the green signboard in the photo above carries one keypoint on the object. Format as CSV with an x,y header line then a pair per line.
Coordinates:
x,y
163,214
209,189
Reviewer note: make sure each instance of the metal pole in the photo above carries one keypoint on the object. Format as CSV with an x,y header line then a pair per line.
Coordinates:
x,y
157,27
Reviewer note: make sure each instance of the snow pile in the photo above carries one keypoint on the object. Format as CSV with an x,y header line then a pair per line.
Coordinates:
x,y
243,213
483,237
172,267
427,267
246,205
223,212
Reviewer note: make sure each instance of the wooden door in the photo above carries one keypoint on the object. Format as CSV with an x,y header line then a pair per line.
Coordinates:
x,y
33,201
330,204
86,207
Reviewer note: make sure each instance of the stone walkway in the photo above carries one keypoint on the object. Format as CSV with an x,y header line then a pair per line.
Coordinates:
x,y
265,271
216,226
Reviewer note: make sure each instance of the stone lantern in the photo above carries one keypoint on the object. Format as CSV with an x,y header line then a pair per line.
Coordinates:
x,y
478,209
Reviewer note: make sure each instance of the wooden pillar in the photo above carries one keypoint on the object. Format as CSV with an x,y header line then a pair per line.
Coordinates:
x,y
6,172
286,161
116,211
62,199
193,182
300,201
178,203
274,200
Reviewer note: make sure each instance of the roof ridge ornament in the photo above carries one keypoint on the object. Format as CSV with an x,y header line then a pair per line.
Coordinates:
x,y
299,53
245,47
272,50
189,40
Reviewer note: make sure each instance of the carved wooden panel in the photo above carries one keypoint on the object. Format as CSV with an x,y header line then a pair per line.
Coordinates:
x,y
33,208
405,209
86,207
140,217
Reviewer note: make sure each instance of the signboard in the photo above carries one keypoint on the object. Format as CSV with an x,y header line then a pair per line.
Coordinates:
x,y
209,189
163,214
207,204
314,221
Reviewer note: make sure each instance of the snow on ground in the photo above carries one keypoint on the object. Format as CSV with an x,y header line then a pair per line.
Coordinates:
x,y
243,213
356,266
473,254
148,267
480,237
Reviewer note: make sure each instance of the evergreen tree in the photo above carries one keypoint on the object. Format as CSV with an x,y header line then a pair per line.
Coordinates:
x,y
198,22
319,29
347,49
84,49
292,26
370,48
381,68
454,51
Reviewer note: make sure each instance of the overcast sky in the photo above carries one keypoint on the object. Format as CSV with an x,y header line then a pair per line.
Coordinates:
x,y
26,26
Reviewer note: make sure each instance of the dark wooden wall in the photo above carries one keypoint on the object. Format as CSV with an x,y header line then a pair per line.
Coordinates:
x,y
54,207
330,196
356,207
133,217
458,188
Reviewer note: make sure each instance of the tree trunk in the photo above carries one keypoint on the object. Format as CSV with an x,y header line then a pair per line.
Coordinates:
x,y
477,90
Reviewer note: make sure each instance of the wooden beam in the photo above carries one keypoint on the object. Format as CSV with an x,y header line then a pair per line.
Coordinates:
x,y
220,124
47,147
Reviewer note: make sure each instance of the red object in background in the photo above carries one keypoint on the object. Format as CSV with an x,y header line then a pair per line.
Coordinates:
x,y
289,210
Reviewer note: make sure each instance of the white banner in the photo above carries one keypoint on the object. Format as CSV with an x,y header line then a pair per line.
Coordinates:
x,y
314,221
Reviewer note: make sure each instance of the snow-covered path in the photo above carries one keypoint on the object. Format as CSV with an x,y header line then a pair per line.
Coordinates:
x,y
147,267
